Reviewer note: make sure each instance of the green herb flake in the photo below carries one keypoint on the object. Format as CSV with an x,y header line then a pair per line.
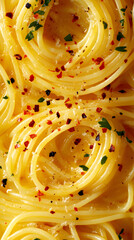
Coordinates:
x,y
121,49
84,167
29,36
120,133
103,160
105,25
128,140
36,25
122,22
46,3
124,10
36,238
40,12
86,155
41,100
12,174
119,235
0,167
105,124
8,81
5,97
68,38
120,36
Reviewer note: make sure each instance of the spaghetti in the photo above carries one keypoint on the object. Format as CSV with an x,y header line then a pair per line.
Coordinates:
x,y
67,120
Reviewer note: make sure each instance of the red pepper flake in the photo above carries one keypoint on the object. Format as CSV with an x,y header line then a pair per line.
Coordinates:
x,y
91,146
31,124
36,108
50,112
33,135
103,95
125,61
102,66
25,149
71,129
68,121
81,62
25,56
26,143
31,78
92,134
71,76
19,119
18,56
70,60
78,122
59,129
58,115
76,209
9,14
17,146
52,212
63,68
75,42
77,141
23,93
82,173
112,148
57,69
71,195
120,167
29,107
25,90
75,18
67,100
39,193
36,16
68,105
49,122
97,60
59,75
112,42
104,130
46,188
98,109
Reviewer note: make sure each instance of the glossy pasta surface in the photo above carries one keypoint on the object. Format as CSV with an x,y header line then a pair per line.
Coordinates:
x,y
66,120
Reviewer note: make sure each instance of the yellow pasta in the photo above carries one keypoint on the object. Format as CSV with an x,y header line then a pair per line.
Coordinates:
x,y
67,120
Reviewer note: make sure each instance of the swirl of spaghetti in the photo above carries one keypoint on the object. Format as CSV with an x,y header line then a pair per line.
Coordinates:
x,y
93,58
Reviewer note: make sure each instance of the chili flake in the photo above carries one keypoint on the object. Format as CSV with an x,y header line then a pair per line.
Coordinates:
x,y
31,124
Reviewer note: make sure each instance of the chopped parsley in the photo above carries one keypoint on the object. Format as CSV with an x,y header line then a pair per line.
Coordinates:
x,y
86,155
128,140
8,81
36,238
46,3
103,160
105,25
120,36
121,49
68,38
120,133
122,22
5,97
29,36
42,99
119,235
85,168
124,10
36,25
105,124
40,12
